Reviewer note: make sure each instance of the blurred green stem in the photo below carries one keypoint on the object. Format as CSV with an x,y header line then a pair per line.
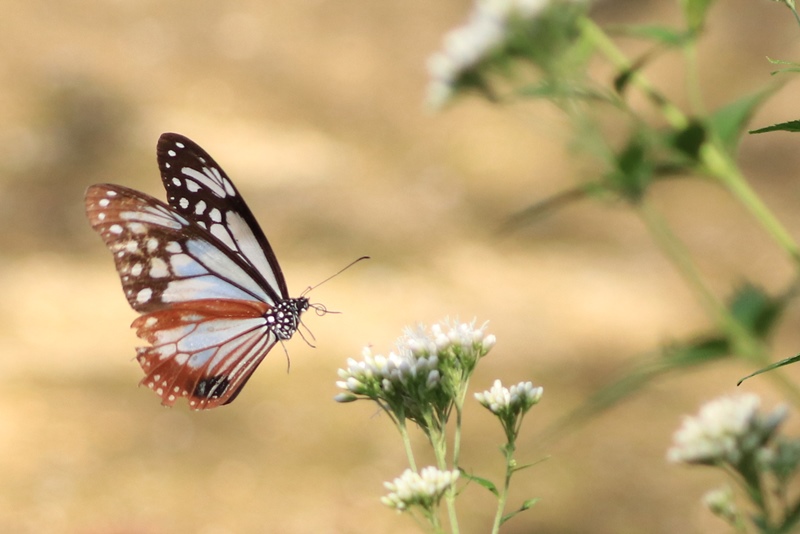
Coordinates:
x,y
743,343
713,158
719,164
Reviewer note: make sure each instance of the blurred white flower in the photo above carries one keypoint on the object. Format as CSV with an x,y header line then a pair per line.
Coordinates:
x,y
725,430
721,503
468,45
424,489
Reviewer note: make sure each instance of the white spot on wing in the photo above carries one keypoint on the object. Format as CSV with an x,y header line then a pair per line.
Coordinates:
x,y
158,268
176,181
115,229
183,203
215,215
200,207
203,178
144,295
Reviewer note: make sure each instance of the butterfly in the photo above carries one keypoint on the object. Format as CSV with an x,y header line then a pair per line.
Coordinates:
x,y
212,296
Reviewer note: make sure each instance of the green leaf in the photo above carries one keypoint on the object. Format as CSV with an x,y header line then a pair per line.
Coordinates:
x,y
695,13
756,310
770,367
526,466
791,126
633,172
525,506
488,484
729,122
782,62
690,139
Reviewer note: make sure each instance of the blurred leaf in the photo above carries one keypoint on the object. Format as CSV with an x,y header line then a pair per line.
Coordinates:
x,y
550,204
661,34
753,308
633,172
525,506
641,372
488,484
695,12
791,519
689,140
791,126
728,123
757,311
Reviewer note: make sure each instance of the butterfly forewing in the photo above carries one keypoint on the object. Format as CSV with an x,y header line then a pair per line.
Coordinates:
x,y
199,189
201,272
163,258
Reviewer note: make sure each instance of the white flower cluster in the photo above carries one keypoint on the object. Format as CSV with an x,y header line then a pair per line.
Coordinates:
x,y
385,372
416,359
724,430
463,336
425,488
517,399
466,46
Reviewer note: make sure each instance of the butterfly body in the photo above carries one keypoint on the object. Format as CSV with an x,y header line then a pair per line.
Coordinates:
x,y
201,272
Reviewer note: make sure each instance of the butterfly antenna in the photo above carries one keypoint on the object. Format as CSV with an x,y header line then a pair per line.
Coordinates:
x,y
309,288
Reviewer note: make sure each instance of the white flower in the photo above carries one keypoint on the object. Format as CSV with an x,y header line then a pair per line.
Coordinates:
x,y
425,488
726,429
519,398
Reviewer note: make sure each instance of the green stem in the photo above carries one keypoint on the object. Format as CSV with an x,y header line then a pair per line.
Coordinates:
x,y
503,497
438,439
407,444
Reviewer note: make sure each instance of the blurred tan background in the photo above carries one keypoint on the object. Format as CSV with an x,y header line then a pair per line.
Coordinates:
x,y
315,108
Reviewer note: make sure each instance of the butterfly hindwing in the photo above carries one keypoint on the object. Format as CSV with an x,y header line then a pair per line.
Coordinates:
x,y
203,350
199,189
